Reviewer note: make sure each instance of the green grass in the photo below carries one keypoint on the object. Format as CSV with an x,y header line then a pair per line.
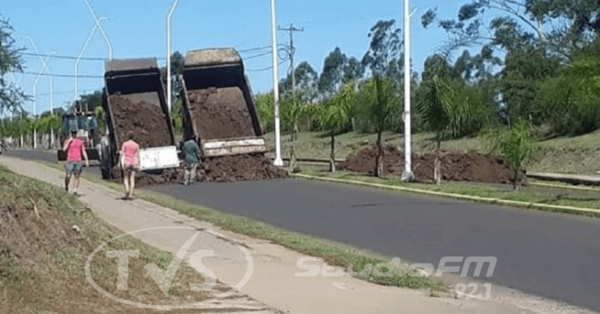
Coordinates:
x,y
42,260
571,155
559,195
335,254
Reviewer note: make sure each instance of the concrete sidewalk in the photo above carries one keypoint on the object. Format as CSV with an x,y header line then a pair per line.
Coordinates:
x,y
272,286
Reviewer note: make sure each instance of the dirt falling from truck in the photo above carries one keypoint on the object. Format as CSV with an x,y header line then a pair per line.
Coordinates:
x,y
146,120
220,113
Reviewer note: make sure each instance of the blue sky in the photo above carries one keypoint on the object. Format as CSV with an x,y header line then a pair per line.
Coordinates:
x,y
137,28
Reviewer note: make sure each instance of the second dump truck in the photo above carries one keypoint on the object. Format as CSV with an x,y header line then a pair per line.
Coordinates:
x,y
218,105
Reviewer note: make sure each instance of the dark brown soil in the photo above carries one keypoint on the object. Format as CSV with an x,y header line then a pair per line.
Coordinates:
x,y
466,167
147,121
248,167
220,113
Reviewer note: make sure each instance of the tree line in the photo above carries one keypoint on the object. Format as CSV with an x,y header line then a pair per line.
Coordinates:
x,y
504,64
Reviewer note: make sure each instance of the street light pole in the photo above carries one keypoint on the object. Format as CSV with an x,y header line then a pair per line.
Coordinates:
x,y
278,161
169,16
97,20
76,78
408,174
44,63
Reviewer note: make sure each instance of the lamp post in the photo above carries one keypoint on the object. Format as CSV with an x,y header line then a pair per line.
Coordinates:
x,y
169,16
407,175
97,20
76,78
43,70
278,161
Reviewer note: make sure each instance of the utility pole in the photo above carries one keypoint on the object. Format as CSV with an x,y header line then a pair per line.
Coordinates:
x,y
292,51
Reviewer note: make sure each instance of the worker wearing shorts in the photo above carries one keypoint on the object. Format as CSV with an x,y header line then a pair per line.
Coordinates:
x,y
129,164
191,153
75,149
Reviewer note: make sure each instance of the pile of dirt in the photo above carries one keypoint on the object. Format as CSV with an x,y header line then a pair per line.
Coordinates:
x,y
220,113
466,167
238,168
248,167
146,120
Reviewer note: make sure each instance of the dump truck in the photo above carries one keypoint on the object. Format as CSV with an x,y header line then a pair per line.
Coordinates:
x,y
218,105
134,100
84,122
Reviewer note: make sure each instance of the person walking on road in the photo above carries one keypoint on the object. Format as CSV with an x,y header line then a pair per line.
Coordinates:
x,y
130,164
191,153
75,151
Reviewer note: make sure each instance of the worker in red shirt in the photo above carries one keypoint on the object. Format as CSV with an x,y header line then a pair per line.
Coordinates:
x,y
75,149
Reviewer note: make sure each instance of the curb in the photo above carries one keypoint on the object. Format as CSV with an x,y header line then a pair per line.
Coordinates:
x,y
486,200
568,187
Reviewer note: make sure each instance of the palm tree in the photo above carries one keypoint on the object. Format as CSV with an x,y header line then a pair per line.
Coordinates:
x,y
334,116
380,106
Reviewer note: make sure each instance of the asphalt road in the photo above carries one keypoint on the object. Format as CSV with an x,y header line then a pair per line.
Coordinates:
x,y
551,255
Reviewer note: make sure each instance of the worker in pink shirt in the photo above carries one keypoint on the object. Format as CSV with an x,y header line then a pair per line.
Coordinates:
x,y
75,149
130,164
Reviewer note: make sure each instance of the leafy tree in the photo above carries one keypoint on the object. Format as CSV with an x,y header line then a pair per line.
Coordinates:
x,y
266,110
177,63
353,71
11,96
570,102
333,72
382,99
334,116
517,146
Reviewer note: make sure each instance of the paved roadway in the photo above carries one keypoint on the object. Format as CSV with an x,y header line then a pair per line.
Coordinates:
x,y
551,255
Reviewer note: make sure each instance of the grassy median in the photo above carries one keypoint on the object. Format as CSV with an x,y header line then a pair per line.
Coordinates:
x,y
538,193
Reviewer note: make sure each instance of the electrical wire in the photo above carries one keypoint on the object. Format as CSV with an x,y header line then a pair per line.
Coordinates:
x,y
62,75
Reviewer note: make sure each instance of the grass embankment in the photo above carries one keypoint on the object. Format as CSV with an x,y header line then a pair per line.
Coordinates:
x,y
550,195
334,254
572,155
42,256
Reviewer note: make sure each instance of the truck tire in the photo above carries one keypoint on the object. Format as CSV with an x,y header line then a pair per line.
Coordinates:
x,y
105,161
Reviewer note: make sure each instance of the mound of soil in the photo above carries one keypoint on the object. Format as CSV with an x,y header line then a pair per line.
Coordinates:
x,y
147,121
248,167
220,113
466,167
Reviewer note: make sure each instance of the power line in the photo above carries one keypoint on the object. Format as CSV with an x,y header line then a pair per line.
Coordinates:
x,y
105,59
265,69
62,75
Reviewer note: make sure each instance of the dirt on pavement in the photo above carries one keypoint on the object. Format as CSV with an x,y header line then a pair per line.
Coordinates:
x,y
147,121
466,167
220,113
247,167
